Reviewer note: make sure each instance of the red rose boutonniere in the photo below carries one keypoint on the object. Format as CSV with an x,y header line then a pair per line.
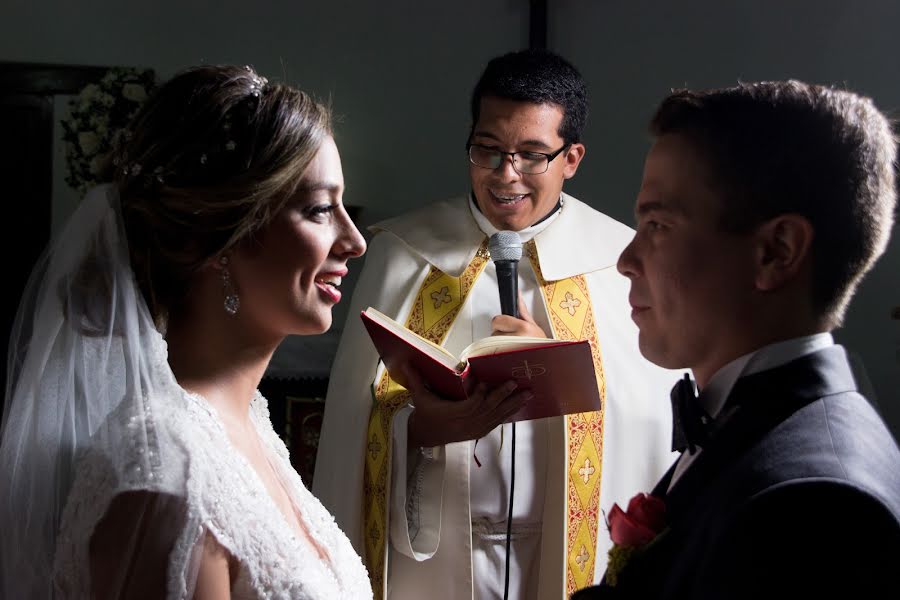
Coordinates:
x,y
632,530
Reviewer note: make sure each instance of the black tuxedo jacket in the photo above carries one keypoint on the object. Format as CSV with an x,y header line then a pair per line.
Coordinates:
x,y
796,495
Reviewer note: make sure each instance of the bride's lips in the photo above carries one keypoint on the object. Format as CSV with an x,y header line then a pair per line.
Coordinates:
x,y
328,284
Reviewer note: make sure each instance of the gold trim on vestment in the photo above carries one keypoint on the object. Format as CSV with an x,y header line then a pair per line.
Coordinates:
x,y
571,313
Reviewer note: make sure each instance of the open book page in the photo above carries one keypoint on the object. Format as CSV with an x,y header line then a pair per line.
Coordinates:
x,y
559,374
429,348
503,343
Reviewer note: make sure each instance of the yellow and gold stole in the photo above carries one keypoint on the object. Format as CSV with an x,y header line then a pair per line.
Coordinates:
x,y
434,311
568,303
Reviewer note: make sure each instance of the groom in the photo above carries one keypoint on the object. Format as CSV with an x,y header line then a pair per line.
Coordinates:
x,y
761,208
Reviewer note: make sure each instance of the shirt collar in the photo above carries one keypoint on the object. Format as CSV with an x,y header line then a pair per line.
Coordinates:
x,y
768,357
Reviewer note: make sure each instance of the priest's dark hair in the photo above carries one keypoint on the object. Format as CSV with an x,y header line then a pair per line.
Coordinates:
x,y
540,77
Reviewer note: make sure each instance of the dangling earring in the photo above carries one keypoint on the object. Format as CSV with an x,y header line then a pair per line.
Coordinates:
x,y
232,300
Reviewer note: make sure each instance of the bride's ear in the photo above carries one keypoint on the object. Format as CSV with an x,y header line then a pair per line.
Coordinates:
x,y
219,262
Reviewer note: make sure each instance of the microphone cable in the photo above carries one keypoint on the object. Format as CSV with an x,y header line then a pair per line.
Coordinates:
x,y
505,249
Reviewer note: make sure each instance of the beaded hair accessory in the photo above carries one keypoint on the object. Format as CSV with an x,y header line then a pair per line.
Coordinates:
x,y
226,151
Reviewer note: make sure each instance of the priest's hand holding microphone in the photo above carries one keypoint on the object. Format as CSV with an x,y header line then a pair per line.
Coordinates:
x,y
437,421
506,251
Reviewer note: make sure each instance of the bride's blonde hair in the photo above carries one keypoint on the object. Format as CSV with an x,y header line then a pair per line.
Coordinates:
x,y
212,156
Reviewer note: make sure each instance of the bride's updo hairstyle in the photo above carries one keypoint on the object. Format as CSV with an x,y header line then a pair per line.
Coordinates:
x,y
211,157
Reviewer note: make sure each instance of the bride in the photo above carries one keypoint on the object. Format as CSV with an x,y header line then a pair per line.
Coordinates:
x,y
137,458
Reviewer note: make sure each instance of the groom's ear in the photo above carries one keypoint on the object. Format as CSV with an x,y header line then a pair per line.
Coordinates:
x,y
783,251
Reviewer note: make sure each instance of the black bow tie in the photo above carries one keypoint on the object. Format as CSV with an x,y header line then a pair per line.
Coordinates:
x,y
689,420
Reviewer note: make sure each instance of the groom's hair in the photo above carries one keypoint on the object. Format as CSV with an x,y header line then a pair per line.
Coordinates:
x,y
790,147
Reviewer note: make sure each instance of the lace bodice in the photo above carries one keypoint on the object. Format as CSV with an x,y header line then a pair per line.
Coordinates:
x,y
223,496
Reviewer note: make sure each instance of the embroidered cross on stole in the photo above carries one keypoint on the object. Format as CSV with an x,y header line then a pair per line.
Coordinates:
x,y
438,302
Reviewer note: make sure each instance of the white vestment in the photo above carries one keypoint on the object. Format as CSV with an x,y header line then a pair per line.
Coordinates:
x,y
448,516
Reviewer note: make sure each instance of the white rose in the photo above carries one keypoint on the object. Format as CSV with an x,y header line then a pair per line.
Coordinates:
x,y
88,94
90,91
88,142
134,92
106,99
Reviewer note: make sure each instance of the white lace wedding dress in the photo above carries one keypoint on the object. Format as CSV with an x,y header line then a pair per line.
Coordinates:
x,y
178,446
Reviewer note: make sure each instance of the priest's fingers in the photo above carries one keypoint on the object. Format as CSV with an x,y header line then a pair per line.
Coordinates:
x,y
412,381
482,400
498,395
437,421
492,408
473,403
525,325
430,423
504,325
524,313
473,387
505,409
507,325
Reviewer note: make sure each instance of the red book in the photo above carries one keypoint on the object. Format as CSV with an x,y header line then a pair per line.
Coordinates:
x,y
559,374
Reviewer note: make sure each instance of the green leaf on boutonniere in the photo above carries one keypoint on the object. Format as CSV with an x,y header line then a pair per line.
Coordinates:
x,y
620,557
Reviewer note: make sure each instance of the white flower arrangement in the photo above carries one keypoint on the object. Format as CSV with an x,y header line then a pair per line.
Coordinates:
x,y
97,116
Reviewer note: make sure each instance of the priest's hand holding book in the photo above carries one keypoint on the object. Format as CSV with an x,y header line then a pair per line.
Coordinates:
x,y
498,379
438,420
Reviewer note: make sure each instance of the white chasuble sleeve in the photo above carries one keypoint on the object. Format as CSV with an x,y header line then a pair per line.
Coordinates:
x,y
388,280
417,490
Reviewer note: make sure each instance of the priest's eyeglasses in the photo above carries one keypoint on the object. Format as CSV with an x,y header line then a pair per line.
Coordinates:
x,y
524,162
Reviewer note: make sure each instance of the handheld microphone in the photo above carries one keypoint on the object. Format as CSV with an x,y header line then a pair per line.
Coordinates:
x,y
506,250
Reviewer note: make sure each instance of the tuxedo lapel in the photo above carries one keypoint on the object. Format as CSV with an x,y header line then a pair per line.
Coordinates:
x,y
756,405
663,485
